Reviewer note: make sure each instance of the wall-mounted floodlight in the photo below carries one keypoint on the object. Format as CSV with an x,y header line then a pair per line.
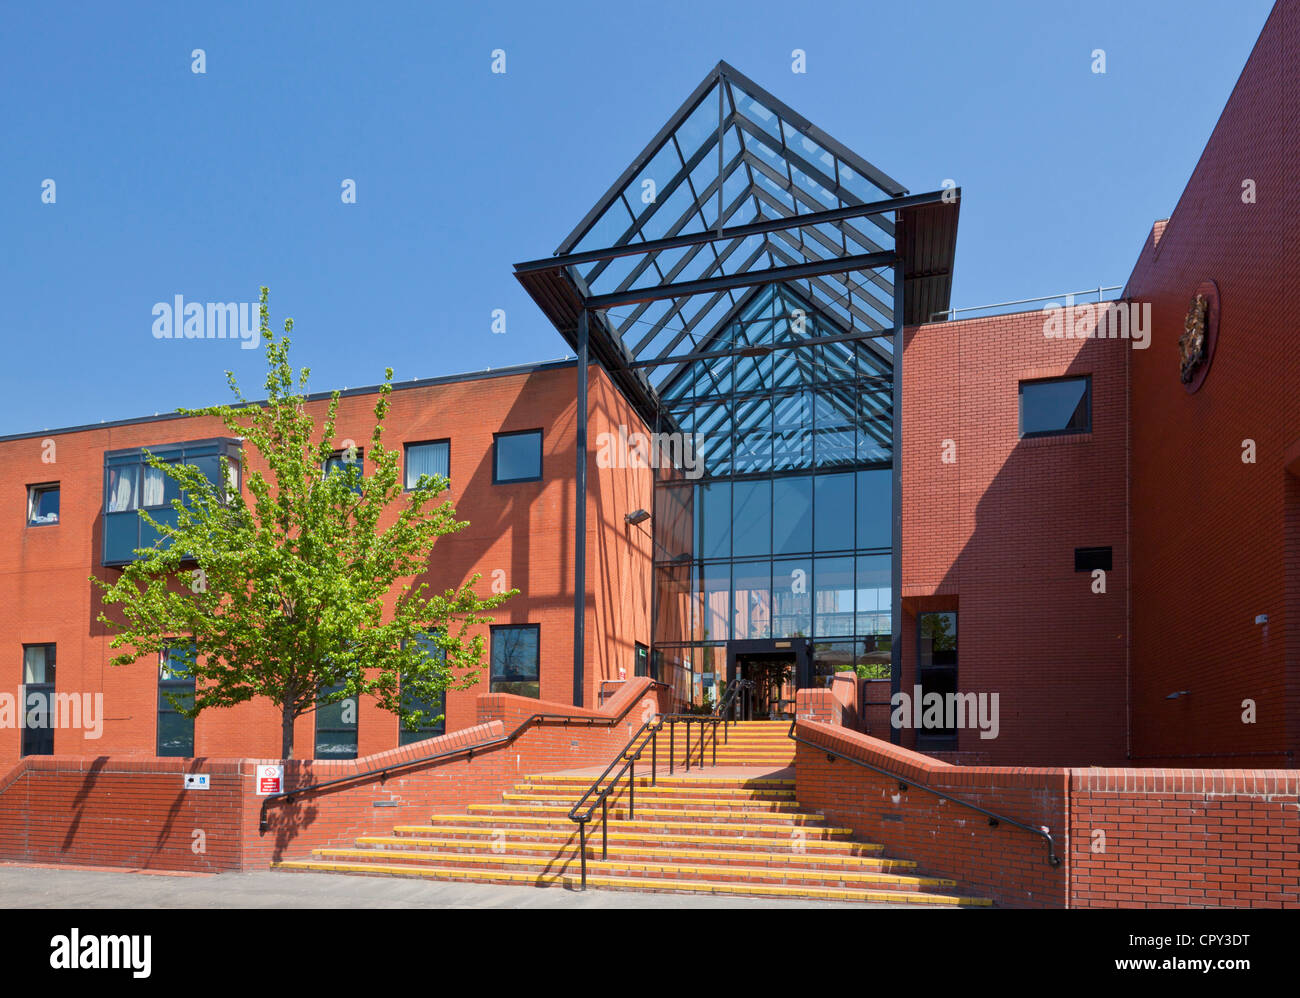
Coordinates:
x,y
1180,693
637,516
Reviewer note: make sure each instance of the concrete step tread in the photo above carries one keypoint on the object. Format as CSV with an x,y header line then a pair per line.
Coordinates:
x,y
829,845
818,858
619,812
639,883
706,870
742,804
672,790
736,782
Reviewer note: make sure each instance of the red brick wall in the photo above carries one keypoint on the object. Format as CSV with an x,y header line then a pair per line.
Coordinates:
x,y
522,529
992,534
1184,838
1209,551
115,811
132,811
1004,863
1127,838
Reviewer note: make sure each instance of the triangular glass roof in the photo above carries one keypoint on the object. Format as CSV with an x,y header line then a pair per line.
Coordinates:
x,y
732,155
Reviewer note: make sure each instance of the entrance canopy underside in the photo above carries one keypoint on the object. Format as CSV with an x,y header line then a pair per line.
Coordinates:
x,y
745,249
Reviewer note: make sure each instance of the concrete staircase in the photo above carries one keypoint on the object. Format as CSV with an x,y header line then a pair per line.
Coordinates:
x,y
712,831
765,744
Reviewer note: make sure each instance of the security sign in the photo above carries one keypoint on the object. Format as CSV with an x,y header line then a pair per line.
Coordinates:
x,y
270,780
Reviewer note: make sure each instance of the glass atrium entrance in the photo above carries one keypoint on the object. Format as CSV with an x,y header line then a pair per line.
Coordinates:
x,y
744,283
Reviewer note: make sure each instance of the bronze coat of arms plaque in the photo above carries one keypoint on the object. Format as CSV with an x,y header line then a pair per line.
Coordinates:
x,y
1200,334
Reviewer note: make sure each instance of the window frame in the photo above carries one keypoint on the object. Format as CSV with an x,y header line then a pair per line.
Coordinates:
x,y
1069,431
407,737
39,741
316,729
175,686
938,739
541,462
231,448
492,635
40,489
406,455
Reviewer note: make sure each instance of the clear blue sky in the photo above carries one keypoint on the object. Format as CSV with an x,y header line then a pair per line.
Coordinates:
x,y
210,185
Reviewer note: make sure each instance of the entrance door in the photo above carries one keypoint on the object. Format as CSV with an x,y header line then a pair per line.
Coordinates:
x,y
776,667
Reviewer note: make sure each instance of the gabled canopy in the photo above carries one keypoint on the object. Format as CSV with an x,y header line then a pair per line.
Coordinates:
x,y
722,196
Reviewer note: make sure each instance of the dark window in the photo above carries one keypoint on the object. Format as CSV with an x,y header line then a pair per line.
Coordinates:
x,y
715,520
1091,559
42,504
937,671
131,484
516,660
433,707
1055,406
656,664
336,726
792,520
38,703
875,504
641,660
517,457
752,518
834,512
431,458
833,598
343,460
175,690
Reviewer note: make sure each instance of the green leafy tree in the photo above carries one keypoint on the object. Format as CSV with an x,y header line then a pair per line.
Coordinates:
x,y
290,595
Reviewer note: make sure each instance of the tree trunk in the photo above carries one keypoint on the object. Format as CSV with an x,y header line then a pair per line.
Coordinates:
x,y
286,730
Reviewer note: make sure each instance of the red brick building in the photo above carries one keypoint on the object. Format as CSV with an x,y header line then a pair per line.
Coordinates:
x,y
1060,521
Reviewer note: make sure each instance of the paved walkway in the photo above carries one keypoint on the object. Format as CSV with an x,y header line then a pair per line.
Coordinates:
x,y
54,887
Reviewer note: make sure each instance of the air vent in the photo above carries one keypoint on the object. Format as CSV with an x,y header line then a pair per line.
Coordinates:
x,y
1091,559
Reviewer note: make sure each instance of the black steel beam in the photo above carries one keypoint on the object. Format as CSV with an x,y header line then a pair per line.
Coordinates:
x,y
580,526
830,216
896,564
771,275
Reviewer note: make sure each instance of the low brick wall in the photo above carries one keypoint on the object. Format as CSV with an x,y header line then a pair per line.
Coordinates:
x,y
127,811
134,812
1004,863
1127,838
1164,838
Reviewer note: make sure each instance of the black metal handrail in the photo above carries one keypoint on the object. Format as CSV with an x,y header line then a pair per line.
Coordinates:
x,y
382,772
994,818
629,754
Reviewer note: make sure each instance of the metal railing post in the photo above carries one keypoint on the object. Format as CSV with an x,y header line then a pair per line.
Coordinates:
x,y
672,732
654,757
631,791
604,827
582,850
688,745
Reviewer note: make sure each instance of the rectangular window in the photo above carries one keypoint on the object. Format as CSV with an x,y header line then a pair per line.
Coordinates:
x,y
336,726
641,660
1091,559
516,660
131,484
432,458
38,700
434,723
42,504
517,457
342,460
937,671
1055,406
176,690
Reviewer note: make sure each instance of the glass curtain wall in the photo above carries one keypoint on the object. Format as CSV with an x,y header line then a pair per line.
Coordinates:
x,y
785,530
